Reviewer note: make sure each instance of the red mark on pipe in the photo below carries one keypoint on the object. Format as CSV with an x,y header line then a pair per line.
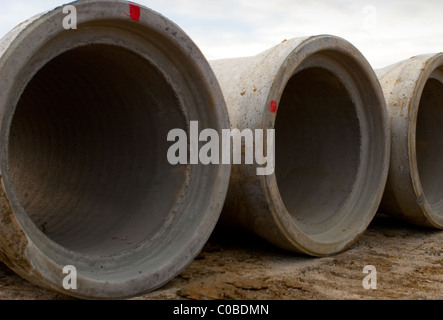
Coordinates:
x,y
273,107
134,12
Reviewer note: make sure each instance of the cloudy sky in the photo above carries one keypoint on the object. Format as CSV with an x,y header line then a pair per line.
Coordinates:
x,y
385,31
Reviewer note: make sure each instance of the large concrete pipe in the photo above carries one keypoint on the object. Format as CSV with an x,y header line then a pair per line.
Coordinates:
x,y
84,116
332,143
414,96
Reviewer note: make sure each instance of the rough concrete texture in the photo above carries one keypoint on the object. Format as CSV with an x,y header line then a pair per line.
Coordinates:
x,y
409,262
84,120
331,146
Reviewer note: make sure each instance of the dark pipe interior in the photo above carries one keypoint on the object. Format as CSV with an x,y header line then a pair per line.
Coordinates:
x,y
429,142
318,144
87,150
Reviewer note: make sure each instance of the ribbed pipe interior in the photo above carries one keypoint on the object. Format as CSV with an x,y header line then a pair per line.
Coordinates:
x,y
87,150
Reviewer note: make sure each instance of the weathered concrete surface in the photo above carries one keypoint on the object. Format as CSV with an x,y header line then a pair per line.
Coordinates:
x,y
414,96
84,119
332,143
409,262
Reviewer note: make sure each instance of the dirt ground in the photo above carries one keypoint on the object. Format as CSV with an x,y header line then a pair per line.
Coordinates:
x,y
408,260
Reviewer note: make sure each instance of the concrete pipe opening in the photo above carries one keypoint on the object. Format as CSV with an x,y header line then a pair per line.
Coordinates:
x,y
83,150
414,94
429,143
86,179
331,143
318,147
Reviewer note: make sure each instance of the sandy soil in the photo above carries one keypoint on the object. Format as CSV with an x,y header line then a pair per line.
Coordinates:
x,y
408,259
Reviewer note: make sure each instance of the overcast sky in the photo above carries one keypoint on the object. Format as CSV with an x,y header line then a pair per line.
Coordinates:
x,y
385,31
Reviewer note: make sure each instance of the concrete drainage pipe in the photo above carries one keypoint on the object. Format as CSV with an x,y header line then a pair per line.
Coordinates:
x,y
414,96
85,115
331,146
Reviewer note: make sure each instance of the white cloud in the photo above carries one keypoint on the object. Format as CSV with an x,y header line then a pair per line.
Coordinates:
x,y
233,28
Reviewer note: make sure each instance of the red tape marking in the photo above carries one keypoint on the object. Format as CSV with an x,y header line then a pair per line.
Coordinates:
x,y
273,107
134,12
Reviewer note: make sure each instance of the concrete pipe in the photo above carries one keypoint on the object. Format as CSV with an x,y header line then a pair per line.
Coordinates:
x,y
84,116
331,143
414,96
